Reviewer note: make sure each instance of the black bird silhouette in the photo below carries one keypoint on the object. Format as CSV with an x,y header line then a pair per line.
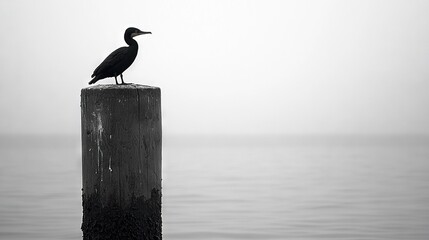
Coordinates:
x,y
119,60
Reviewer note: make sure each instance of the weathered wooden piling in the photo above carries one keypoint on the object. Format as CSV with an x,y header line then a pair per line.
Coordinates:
x,y
121,162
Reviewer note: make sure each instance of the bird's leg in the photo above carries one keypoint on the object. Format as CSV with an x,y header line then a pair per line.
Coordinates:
x,y
122,79
116,80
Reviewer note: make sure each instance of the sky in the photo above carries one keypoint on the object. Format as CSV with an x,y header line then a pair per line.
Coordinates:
x,y
224,67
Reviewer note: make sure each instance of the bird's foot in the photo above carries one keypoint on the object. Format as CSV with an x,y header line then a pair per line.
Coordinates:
x,y
124,83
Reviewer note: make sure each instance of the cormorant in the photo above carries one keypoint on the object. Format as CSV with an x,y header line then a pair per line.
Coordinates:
x,y
119,60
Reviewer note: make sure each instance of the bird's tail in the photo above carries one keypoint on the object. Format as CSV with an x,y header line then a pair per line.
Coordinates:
x,y
94,80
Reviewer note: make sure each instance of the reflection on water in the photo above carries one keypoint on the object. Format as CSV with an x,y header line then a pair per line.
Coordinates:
x,y
236,189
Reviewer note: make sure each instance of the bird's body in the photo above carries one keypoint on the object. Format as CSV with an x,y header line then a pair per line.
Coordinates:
x,y
120,59
115,64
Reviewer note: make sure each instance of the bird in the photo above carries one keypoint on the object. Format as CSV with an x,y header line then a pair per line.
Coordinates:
x,y
120,59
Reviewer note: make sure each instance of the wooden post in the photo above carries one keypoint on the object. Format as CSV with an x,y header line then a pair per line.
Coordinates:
x,y
121,162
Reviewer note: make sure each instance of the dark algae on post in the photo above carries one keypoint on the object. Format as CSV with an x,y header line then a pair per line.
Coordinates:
x,y
141,220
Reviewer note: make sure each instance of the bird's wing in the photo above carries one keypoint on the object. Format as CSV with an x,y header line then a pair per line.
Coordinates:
x,y
113,59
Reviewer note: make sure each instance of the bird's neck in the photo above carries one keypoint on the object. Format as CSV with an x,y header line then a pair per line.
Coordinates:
x,y
130,41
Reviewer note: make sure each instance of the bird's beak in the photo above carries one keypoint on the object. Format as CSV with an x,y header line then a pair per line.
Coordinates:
x,y
139,33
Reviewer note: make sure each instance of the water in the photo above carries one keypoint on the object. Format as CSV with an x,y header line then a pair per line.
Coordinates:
x,y
305,188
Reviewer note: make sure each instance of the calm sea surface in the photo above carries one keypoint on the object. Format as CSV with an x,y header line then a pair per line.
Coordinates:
x,y
304,188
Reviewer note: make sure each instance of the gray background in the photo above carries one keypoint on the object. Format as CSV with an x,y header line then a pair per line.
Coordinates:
x,y
225,67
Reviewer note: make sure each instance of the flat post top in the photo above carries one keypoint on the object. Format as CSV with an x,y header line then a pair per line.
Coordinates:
x,y
119,87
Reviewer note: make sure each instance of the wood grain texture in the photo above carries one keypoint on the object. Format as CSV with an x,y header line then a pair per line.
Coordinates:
x,y
121,144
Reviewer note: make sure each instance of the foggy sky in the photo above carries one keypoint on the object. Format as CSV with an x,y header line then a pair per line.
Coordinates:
x,y
224,67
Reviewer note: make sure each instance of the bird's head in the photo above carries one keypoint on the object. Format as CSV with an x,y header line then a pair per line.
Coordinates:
x,y
132,32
